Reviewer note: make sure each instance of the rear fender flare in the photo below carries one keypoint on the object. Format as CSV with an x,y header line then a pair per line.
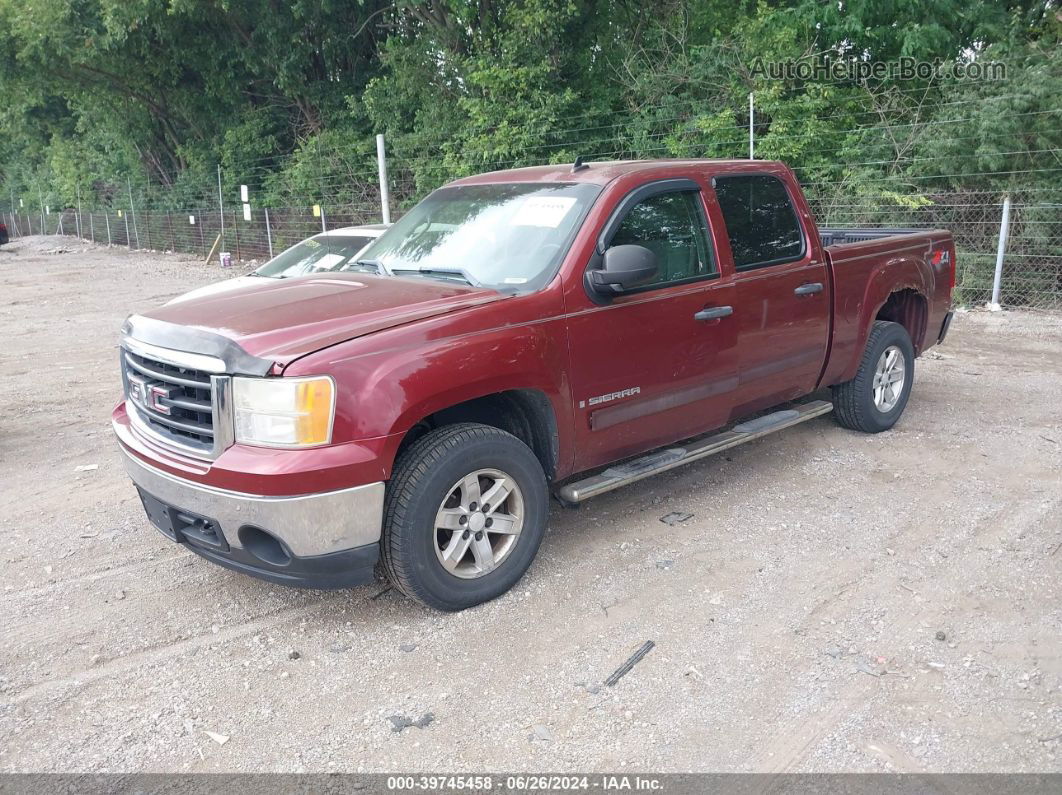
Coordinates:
x,y
893,275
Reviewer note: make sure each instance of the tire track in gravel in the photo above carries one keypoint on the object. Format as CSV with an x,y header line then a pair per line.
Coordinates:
x,y
89,577
169,651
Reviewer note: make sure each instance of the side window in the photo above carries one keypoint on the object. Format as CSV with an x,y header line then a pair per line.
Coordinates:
x,y
760,220
672,226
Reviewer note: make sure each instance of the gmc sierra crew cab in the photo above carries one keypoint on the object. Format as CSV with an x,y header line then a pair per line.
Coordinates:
x,y
558,329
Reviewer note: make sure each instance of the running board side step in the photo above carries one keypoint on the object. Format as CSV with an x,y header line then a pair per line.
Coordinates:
x,y
672,457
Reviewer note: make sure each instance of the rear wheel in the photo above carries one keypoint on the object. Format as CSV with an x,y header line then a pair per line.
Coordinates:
x,y
874,400
465,513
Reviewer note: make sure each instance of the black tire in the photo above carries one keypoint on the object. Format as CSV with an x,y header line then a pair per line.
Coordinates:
x,y
853,401
422,478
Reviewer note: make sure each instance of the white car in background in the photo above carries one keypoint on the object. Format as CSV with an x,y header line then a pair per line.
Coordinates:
x,y
329,251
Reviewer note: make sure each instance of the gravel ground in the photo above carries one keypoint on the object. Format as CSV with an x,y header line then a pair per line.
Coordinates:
x,y
834,602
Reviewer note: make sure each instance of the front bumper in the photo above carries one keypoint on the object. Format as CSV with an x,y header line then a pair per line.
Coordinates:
x,y
326,540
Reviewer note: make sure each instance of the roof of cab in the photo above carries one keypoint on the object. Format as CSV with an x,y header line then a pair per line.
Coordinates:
x,y
600,173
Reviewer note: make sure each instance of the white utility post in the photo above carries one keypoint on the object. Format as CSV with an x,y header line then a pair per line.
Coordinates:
x,y
752,140
997,280
385,193
221,209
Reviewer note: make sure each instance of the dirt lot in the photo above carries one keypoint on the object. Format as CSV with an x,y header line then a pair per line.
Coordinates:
x,y
796,614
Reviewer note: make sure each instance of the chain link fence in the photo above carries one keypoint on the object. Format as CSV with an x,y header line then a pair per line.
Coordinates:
x,y
197,231
1032,263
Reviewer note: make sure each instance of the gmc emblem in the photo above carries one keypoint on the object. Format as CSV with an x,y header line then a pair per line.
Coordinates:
x,y
155,395
150,394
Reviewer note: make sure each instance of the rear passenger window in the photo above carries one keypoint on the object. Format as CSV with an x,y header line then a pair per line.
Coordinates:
x,y
760,220
672,226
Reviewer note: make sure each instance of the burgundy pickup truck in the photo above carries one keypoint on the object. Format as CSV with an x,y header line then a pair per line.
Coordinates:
x,y
565,329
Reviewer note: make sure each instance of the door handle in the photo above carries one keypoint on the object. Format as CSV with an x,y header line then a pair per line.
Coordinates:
x,y
808,289
714,313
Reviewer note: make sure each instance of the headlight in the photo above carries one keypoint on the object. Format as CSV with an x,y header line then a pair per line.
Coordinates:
x,y
284,412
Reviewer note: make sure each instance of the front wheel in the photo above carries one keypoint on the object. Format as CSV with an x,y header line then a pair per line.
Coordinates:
x,y
465,513
873,401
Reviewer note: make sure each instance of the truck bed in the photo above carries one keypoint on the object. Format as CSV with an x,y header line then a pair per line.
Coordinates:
x,y
838,235
920,261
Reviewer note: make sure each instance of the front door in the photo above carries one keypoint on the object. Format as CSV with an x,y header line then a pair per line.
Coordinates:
x,y
657,363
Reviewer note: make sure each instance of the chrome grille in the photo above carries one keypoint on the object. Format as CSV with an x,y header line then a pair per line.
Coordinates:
x,y
176,404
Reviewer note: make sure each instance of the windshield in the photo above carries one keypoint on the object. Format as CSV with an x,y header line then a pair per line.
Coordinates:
x,y
318,254
500,236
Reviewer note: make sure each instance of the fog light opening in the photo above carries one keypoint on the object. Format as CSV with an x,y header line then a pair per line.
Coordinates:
x,y
264,546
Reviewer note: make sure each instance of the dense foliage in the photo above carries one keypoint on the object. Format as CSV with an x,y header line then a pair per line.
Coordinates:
x,y
111,97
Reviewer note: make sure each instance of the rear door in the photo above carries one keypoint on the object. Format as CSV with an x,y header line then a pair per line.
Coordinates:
x,y
649,366
782,304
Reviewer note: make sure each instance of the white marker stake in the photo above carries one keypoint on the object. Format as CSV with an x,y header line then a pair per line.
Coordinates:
x,y
243,194
247,212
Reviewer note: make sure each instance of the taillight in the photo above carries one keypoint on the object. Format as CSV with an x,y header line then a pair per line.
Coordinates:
x,y
944,257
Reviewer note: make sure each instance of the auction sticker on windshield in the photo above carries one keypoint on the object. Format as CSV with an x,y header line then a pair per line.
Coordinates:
x,y
329,261
543,211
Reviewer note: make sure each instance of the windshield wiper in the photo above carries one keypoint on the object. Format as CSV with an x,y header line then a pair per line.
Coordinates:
x,y
375,264
444,272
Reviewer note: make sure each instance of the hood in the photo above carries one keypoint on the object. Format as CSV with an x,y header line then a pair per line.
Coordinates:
x,y
284,319
235,283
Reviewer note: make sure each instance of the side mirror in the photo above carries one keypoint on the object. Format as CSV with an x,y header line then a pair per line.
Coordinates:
x,y
623,267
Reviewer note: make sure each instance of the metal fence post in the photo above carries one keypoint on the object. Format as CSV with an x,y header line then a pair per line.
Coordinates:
x,y
92,230
40,197
128,242
269,235
997,280
107,218
236,231
79,230
323,227
385,191
132,211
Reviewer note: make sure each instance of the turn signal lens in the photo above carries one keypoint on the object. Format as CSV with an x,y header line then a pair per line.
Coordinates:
x,y
284,412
